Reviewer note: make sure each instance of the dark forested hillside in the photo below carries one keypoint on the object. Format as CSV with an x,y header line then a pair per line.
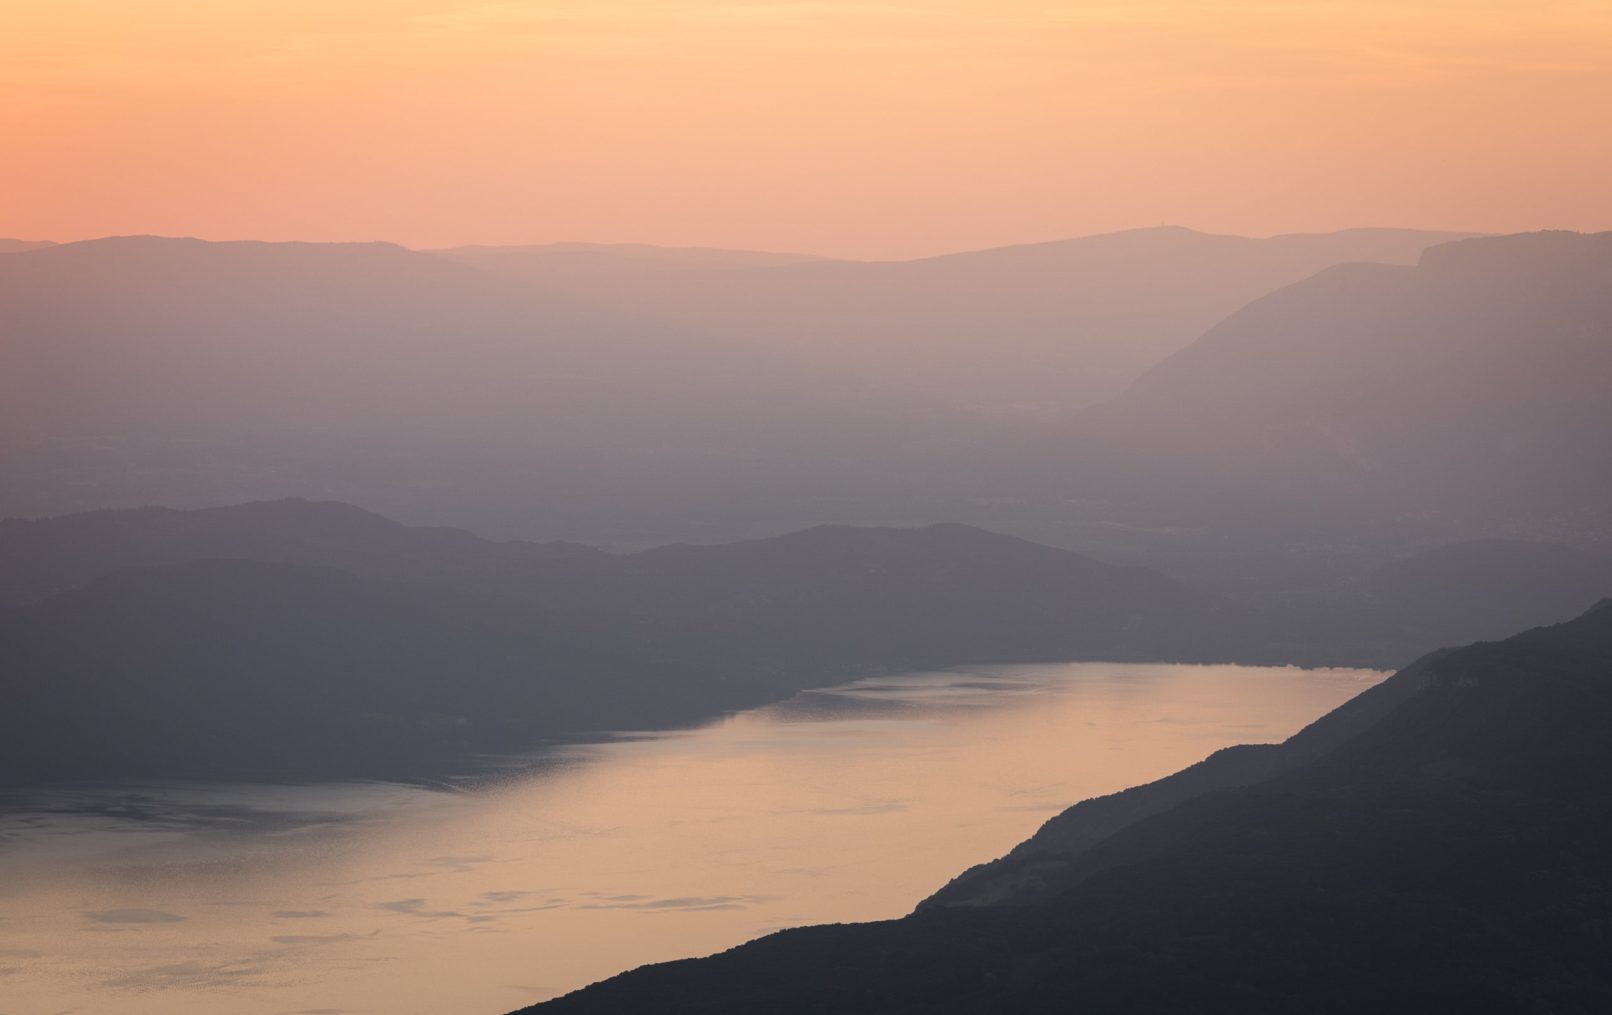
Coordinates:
x,y
219,666
297,636
557,638
1448,855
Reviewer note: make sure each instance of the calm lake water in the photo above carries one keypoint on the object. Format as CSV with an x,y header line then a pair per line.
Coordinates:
x,y
846,804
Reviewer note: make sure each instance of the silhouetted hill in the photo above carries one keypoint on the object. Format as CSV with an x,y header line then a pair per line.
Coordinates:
x,y
1045,864
1042,326
873,587
1479,590
1465,394
1484,590
911,598
1450,855
212,666
44,556
550,639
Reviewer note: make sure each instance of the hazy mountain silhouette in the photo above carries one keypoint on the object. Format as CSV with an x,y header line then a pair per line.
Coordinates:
x,y
174,336
1042,326
619,394
149,370
916,598
1438,844
763,594
178,336
580,266
1375,404
17,246
1466,394
45,556
1448,595
1477,587
132,625
210,666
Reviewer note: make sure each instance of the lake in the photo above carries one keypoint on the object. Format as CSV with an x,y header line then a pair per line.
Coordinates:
x,y
851,803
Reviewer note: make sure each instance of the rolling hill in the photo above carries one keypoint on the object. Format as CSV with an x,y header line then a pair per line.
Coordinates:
x,y
318,638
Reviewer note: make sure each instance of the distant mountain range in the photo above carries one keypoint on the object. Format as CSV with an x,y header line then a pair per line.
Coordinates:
x,y
1447,595
1464,394
1436,844
145,370
182,339
580,265
1039,327
622,394
1361,412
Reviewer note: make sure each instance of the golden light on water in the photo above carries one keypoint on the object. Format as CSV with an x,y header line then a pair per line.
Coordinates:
x,y
844,808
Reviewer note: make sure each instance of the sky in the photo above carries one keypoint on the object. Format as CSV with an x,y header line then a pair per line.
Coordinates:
x,y
867,129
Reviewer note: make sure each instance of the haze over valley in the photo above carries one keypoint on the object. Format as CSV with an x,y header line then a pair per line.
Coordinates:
x,y
951,507
1352,470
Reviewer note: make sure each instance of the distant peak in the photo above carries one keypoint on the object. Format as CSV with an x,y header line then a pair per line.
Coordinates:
x,y
1540,252
304,507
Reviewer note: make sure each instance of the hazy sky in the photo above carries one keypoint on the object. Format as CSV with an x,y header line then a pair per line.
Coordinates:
x,y
867,129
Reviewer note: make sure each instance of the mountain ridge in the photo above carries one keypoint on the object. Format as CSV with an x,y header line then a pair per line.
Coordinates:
x,y
118,618
1462,393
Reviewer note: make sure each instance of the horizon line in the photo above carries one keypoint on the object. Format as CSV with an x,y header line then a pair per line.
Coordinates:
x,y
803,255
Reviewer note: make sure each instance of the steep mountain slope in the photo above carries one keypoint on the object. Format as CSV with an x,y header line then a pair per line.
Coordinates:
x,y
1047,862
1041,327
1449,855
1466,393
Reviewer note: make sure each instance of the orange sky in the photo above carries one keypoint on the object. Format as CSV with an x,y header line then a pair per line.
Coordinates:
x,y
869,129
